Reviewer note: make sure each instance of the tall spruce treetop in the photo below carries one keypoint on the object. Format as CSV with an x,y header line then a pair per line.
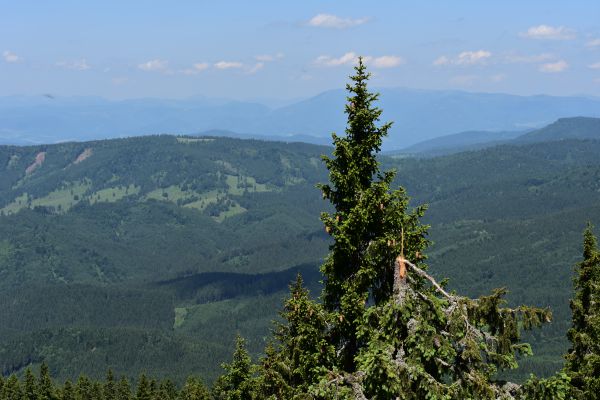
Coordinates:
x,y
583,359
371,224
396,331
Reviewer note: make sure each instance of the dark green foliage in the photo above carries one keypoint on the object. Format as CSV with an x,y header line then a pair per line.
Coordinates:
x,y
237,381
389,329
583,358
194,389
144,389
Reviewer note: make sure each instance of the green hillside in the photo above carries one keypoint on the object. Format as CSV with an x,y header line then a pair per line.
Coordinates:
x,y
149,254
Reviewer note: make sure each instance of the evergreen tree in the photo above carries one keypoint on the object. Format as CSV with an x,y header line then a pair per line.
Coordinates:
x,y
29,386
194,389
12,389
167,390
110,391
583,358
395,332
46,389
144,391
83,388
67,392
123,390
97,392
236,383
302,353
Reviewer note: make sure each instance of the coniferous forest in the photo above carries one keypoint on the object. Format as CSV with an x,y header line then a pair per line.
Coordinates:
x,y
377,320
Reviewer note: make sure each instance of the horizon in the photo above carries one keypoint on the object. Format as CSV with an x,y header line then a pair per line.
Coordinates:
x,y
285,52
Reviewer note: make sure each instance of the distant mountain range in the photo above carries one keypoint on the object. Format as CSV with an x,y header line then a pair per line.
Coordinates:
x,y
562,129
418,115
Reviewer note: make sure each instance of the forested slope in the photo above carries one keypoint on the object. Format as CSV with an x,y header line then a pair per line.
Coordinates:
x,y
148,254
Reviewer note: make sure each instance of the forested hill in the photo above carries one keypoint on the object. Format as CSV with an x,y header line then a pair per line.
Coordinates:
x,y
149,254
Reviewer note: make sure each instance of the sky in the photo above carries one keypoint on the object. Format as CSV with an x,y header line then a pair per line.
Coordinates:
x,y
286,50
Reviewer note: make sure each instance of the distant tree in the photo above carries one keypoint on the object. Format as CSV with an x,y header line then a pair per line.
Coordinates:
x,y
67,392
110,391
236,383
123,390
144,391
83,388
194,389
29,386
583,358
12,389
46,390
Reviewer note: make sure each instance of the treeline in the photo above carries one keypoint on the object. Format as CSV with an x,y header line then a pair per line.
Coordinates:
x,y
42,387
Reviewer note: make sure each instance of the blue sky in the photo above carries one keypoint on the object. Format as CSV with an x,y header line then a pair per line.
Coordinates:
x,y
293,49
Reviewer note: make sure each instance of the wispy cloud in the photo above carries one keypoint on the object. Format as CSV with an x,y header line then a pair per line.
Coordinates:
x,y
269,57
593,43
350,58
77,65
464,58
498,77
594,65
385,61
558,66
527,59
196,69
255,68
329,61
333,21
228,65
549,32
11,57
154,65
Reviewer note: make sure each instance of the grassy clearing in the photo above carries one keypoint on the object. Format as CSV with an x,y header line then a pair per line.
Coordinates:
x,y
61,199
113,194
237,184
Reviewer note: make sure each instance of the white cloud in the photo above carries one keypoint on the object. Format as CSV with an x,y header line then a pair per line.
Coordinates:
x,y
387,61
594,65
154,65
256,67
351,58
269,57
549,32
196,69
554,67
328,61
228,65
78,65
498,77
465,58
11,57
528,59
593,43
333,21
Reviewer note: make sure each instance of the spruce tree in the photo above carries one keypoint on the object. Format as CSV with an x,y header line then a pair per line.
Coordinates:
x,y
236,383
394,331
583,358
123,390
67,392
46,389
194,389
144,390
12,389
110,391
29,386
